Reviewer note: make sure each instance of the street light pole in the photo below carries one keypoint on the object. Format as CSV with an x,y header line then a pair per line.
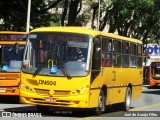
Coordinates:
x,y
28,16
99,7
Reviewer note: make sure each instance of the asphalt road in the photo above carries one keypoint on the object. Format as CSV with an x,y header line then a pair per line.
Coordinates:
x,y
146,107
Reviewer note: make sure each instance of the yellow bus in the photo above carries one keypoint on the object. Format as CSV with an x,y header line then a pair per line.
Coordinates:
x,y
10,61
77,67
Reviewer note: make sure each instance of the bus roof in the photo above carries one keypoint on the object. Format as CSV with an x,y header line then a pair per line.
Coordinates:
x,y
112,35
84,30
12,32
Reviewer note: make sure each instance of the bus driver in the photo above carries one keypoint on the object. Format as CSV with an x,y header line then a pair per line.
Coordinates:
x,y
79,56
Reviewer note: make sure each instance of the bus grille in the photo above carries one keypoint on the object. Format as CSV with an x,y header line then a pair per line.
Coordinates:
x,y
55,92
58,92
41,91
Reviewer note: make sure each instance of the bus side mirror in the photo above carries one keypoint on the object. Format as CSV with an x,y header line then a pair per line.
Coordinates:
x,y
16,45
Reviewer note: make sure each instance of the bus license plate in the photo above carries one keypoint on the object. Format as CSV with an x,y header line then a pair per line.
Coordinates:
x,y
2,90
53,100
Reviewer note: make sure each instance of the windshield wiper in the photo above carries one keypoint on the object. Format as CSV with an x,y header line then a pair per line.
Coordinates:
x,y
41,66
64,68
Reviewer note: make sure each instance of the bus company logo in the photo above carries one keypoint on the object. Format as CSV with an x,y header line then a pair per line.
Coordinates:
x,y
47,82
153,49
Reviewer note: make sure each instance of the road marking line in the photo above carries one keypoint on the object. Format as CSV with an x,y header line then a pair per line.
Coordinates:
x,y
145,107
90,118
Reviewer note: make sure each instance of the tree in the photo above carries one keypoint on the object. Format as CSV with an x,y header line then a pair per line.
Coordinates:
x,y
13,17
74,9
14,14
132,18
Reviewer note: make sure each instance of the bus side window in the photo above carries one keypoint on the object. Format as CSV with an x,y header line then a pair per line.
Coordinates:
x,y
133,51
139,55
117,53
125,54
106,52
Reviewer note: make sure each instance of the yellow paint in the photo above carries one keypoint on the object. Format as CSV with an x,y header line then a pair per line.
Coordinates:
x,y
70,91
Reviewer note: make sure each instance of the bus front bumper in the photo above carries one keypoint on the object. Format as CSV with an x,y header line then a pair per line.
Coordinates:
x,y
77,101
9,91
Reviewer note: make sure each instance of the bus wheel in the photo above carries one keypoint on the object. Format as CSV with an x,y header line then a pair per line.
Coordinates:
x,y
101,104
126,105
43,109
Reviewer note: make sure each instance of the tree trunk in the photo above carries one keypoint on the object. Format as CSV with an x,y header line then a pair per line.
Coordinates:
x,y
94,16
64,12
73,11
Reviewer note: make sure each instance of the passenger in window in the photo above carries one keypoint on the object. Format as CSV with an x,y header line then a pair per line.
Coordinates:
x,y
80,55
106,60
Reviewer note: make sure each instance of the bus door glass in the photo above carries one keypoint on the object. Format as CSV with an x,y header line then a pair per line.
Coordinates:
x,y
96,58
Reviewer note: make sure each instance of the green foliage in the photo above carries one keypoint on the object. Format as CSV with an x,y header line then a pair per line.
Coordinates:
x,y
14,14
133,18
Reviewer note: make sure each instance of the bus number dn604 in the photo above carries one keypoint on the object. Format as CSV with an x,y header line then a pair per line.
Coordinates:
x,y
47,82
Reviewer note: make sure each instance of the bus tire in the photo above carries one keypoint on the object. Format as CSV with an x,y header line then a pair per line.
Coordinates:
x,y
127,103
101,104
43,109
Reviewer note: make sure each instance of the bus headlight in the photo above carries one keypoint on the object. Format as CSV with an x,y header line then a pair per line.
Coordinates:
x,y
25,87
78,91
75,92
22,85
84,89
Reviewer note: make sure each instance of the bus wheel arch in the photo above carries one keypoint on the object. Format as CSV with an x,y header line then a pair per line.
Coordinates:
x,y
101,107
128,97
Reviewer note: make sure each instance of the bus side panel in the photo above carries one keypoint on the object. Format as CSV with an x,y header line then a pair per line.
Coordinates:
x,y
114,79
117,80
135,92
93,99
115,95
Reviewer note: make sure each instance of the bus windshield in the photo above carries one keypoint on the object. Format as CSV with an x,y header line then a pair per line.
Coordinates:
x,y
10,60
57,54
155,69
